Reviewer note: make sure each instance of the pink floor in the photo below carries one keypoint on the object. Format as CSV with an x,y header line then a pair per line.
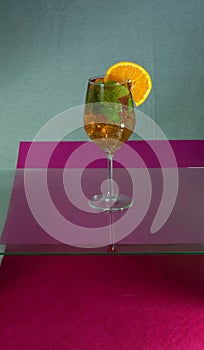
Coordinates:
x,y
102,302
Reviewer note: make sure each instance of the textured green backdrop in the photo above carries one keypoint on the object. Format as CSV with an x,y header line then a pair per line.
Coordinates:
x,y
49,48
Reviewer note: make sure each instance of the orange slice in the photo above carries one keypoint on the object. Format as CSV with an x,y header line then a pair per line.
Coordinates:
x,y
135,76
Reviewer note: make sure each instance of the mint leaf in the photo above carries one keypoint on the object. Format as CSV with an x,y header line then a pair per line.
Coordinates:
x,y
111,110
113,93
130,105
110,82
99,81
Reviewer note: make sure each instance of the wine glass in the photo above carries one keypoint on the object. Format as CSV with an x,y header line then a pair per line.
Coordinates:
x,y
109,120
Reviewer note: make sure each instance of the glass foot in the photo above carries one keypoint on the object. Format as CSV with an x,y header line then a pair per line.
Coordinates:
x,y
102,202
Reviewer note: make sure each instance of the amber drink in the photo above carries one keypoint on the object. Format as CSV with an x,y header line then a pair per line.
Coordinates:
x,y
109,117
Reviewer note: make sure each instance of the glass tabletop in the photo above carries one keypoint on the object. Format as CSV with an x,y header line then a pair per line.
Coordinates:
x,y
119,249
49,212
127,232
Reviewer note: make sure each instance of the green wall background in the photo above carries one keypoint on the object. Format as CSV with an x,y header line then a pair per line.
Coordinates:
x,y
49,48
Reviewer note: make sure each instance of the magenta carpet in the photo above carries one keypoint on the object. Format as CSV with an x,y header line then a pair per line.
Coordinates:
x,y
102,302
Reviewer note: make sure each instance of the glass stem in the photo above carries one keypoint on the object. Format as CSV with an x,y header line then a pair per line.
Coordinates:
x,y
110,193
